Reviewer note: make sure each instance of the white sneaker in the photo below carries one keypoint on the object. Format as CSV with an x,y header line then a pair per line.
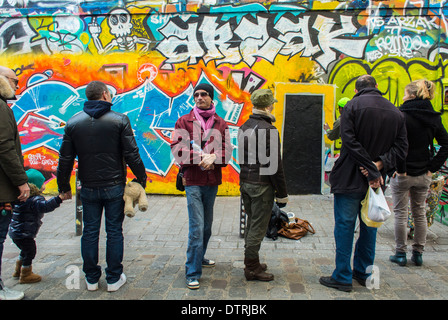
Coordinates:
x,y
92,286
117,285
8,294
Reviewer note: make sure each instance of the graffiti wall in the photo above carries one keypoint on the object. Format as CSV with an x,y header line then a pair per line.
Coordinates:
x,y
152,54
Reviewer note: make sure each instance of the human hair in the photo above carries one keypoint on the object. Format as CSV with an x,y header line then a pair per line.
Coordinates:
x,y
421,89
95,89
365,81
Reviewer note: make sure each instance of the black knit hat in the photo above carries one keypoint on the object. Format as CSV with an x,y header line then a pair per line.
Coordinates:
x,y
205,87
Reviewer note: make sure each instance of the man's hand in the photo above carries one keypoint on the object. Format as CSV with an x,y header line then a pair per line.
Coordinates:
x,y
208,161
65,195
376,183
24,192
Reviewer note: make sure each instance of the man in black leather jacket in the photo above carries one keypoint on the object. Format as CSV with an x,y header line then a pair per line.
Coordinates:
x,y
104,143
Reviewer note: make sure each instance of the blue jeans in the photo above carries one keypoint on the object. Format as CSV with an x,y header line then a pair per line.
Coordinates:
x,y
5,219
94,200
347,208
200,202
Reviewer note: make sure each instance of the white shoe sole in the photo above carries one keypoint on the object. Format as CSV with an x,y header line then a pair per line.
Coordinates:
x,y
92,286
117,285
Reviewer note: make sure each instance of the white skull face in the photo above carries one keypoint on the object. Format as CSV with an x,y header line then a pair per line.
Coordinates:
x,y
119,22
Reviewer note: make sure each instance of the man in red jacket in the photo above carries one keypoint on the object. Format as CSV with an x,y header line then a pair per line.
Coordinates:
x,y
201,146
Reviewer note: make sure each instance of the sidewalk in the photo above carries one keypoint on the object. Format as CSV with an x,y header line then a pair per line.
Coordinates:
x,y
156,241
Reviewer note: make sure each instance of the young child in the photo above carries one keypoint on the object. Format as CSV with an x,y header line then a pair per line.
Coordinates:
x,y
25,223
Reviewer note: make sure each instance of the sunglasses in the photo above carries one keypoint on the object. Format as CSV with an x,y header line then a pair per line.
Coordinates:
x,y
202,94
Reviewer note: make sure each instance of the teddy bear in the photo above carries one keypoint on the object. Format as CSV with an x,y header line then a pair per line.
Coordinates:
x,y
134,194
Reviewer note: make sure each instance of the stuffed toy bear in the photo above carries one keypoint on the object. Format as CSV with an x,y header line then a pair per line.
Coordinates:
x,y
134,194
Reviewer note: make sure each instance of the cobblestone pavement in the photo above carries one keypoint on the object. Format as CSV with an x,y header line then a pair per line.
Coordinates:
x,y
156,241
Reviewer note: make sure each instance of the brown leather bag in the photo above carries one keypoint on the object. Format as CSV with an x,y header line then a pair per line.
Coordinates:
x,y
296,230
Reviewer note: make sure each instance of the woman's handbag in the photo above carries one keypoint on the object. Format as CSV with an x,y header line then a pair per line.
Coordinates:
x,y
296,230
374,210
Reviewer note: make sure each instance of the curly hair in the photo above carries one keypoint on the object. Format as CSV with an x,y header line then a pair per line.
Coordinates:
x,y
421,89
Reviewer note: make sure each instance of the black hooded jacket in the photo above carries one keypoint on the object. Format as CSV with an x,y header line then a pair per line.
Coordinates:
x,y
104,143
423,124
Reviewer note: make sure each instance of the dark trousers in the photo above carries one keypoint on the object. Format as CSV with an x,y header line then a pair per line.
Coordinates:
x,y
28,250
94,201
5,219
258,201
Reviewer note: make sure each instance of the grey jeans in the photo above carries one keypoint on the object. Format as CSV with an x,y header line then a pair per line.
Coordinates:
x,y
258,201
415,189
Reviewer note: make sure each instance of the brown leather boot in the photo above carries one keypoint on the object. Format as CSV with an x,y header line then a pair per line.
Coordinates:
x,y
16,272
254,270
27,275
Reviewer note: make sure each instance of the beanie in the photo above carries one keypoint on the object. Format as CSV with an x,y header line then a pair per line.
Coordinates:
x,y
35,177
205,87
343,101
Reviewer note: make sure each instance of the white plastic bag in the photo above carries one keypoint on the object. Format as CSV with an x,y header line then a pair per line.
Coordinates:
x,y
375,209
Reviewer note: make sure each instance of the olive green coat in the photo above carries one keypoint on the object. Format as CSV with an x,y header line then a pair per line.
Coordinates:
x,y
12,172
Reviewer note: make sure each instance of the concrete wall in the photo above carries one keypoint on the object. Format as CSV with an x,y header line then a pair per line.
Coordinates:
x,y
152,54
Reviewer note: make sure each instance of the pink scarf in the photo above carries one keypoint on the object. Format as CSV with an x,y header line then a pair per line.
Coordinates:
x,y
207,114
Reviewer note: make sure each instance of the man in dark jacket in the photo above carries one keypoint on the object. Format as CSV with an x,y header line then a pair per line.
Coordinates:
x,y
201,145
373,134
261,178
13,179
104,143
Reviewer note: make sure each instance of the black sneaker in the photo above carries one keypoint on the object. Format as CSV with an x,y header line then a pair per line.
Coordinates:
x,y
331,283
208,263
360,280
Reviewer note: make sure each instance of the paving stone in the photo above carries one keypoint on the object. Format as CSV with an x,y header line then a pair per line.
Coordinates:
x,y
155,254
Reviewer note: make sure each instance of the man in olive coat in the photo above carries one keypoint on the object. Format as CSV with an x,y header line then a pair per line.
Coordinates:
x,y
13,179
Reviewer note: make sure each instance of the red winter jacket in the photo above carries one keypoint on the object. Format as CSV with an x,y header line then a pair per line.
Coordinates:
x,y
188,129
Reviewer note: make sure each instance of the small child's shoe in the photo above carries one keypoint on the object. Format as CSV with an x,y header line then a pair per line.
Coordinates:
x,y
16,273
27,275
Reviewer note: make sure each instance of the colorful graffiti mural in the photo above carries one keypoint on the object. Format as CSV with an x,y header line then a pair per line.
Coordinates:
x,y
152,54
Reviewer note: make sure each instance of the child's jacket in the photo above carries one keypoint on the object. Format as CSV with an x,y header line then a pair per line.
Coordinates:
x,y
27,216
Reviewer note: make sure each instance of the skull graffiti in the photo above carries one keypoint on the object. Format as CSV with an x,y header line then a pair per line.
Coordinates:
x,y
120,23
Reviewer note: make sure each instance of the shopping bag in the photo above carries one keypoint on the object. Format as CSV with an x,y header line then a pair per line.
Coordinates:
x,y
374,210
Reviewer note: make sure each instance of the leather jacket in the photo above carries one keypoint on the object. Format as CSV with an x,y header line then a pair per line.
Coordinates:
x,y
252,171
104,143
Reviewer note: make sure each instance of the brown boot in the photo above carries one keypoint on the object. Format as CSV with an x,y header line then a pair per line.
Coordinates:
x,y
16,272
27,275
254,270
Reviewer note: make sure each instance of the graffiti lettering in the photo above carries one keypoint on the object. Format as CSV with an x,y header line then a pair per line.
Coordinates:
x,y
16,38
213,38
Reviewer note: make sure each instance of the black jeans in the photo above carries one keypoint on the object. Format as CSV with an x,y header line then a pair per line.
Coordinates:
x,y
5,219
27,248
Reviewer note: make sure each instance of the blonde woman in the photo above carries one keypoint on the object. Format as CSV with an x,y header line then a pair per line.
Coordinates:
x,y
413,176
